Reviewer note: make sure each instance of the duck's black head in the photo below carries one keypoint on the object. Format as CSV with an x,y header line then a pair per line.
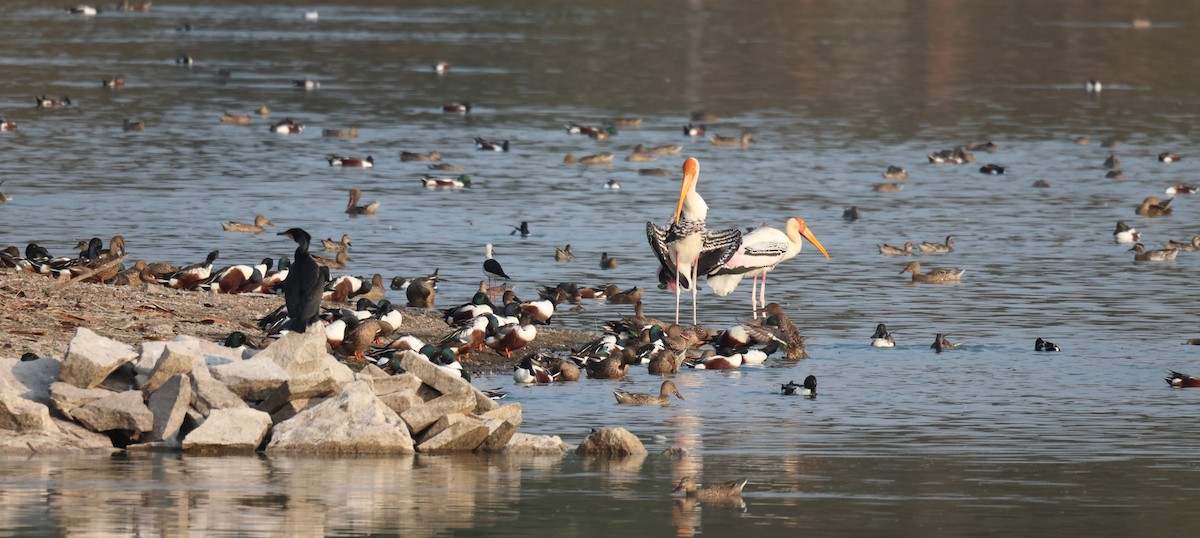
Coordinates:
x,y
810,382
95,245
212,257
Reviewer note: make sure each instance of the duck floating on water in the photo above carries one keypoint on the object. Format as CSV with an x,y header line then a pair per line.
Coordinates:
x,y
715,492
1179,381
1043,345
936,276
1144,255
882,338
490,145
1125,233
808,389
351,162
287,126
888,250
258,227
352,207
940,343
640,398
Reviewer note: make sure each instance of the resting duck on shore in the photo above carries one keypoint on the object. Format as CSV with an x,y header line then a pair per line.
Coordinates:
x,y
935,276
256,228
640,398
189,277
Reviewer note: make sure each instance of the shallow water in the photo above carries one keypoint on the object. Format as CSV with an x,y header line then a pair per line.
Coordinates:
x,y
990,437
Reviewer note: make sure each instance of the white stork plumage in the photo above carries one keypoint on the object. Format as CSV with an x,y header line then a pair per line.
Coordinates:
x,y
759,253
687,243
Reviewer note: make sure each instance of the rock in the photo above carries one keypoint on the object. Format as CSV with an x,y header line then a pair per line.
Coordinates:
x,y
66,397
502,424
122,411
483,402
30,379
66,438
353,422
229,430
524,443
392,384
252,379
454,432
151,351
421,416
311,371
209,393
611,442
294,407
21,415
175,359
121,380
439,378
370,371
169,404
91,358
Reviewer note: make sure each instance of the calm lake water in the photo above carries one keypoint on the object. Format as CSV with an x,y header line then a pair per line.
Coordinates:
x,y
987,439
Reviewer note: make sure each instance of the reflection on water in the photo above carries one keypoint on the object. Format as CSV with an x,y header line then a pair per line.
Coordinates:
x,y
987,437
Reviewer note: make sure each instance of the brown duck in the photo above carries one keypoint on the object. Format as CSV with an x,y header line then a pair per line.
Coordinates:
x,y
640,398
1152,207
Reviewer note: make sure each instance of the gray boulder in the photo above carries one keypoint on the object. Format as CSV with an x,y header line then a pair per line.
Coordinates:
x,y
353,422
30,379
65,397
91,358
209,393
122,411
611,442
229,430
253,379
21,415
169,404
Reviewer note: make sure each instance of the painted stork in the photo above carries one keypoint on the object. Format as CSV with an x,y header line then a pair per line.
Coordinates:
x,y
760,252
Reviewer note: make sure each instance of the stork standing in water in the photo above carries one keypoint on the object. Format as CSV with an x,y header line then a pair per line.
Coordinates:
x,y
760,252
687,243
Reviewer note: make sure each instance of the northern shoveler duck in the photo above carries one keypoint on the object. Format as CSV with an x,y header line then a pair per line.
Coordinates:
x,y
82,9
1115,174
719,491
1193,246
639,154
630,296
656,172
523,229
1179,381
184,60
352,207
1112,161
589,130
191,276
490,145
433,182
938,248
259,222
666,149
530,370
850,214
988,146
599,158
351,162
958,155
1181,189
341,133
406,156
338,262
888,250
1041,184
694,130
940,343
514,335
1169,158
607,262
713,361
457,108
1144,255
330,245
809,387
1042,345
236,119
640,398
306,84
6,125
613,185
441,67
1153,207
1093,86
564,254
50,102
287,126
1125,233
238,278
993,169
895,173
887,187
935,276
731,141
134,125
115,82
882,338
447,167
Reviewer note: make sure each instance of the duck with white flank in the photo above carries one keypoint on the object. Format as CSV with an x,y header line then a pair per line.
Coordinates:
x,y
1125,233
808,389
882,338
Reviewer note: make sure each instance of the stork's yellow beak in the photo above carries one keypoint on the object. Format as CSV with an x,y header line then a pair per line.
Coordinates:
x,y
804,231
691,170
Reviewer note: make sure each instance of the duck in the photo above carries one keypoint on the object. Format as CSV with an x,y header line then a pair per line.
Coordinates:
x,y
809,387
940,343
589,130
351,162
184,60
888,250
1112,161
358,339
530,370
614,366
457,108
191,276
1179,381
989,146
938,248
613,184
441,67
1168,158
665,361
732,361
655,172
640,155
640,398
887,187
666,149
850,214
705,117
719,491
338,262
306,84
564,254
1125,233
895,173
7,125
340,133
130,125
436,182
936,276
694,130
607,262
1180,189
447,167
1144,255
84,10
958,155
50,102
406,156
1041,184
259,222
730,141
238,278
882,338
514,335
352,207
422,292
598,158
236,119
490,145
625,123
287,126
993,169
630,296
1093,86
115,82
1042,345
329,245
1193,246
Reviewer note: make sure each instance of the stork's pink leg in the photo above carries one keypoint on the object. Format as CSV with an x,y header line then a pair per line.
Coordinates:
x,y
762,295
753,298
677,292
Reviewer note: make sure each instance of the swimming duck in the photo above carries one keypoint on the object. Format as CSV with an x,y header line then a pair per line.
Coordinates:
x,y
7,125
330,245
184,60
351,162
850,214
599,158
457,108
1169,158
640,398
1152,207
613,185
49,102
1144,255
625,123
564,254
730,141
809,386
665,361
713,361
1042,345
993,169
589,130
940,343
352,207
341,133
694,130
530,370
1041,184
989,146
938,248
666,149
406,156
1112,161
607,262
1115,174
447,167
134,125
339,261
887,187
895,173
1178,380
958,155
882,338
1125,234
287,126
236,119
115,82
1093,86
1181,189
490,145
656,172
441,67
613,366
935,276
434,182
723,490
84,10
256,228
306,84
888,250
630,296
1193,246
640,155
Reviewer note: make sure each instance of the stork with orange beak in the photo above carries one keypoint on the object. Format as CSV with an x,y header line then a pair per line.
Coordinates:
x,y
760,252
687,243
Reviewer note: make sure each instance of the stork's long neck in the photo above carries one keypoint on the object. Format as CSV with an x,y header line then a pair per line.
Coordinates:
x,y
694,208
